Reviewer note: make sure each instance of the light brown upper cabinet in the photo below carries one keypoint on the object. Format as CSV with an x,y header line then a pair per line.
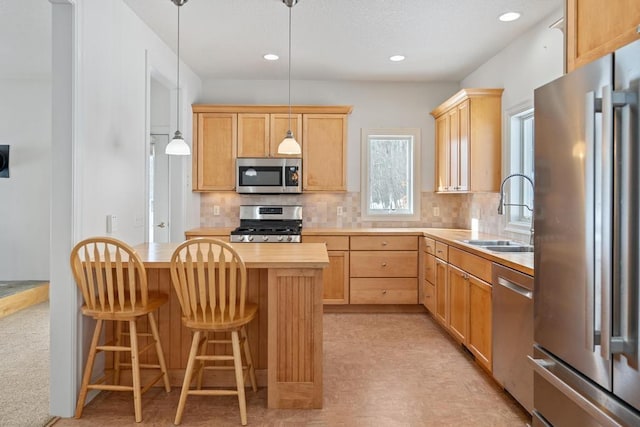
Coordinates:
x,y
223,133
214,151
595,28
324,153
260,134
468,141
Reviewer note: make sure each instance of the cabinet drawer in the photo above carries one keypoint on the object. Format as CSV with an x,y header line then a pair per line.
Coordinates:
x,y
470,263
384,264
223,238
334,243
429,245
384,291
442,251
430,268
384,243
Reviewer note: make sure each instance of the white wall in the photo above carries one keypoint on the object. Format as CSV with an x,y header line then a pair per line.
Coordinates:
x,y
375,105
104,56
531,60
25,109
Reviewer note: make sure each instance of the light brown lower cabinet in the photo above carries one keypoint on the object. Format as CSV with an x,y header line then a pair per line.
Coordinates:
x,y
336,275
384,290
458,303
479,336
442,289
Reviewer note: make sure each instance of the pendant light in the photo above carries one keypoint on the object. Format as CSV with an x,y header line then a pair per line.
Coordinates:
x,y
177,146
289,145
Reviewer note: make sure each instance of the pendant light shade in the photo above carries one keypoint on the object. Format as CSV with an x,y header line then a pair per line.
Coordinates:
x,y
178,146
289,145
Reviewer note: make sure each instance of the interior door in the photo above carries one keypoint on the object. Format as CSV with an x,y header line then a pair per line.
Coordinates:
x,y
159,190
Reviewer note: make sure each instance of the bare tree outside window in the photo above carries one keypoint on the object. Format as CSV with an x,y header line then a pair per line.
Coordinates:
x,y
390,174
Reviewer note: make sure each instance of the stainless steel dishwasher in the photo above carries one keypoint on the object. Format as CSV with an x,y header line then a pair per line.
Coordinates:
x,y
512,299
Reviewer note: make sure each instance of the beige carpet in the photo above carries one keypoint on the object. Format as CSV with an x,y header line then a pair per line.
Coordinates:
x,y
24,371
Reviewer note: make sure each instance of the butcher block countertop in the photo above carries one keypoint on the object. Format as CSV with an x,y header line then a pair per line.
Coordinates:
x,y
520,261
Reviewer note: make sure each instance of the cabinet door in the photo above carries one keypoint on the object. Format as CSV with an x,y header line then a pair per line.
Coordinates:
x,y
454,150
458,303
279,127
429,268
215,154
324,152
253,135
464,116
479,339
593,29
442,305
336,279
442,153
428,298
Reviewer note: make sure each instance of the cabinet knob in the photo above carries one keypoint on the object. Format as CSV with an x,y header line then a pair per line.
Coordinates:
x,y
384,264
384,243
384,292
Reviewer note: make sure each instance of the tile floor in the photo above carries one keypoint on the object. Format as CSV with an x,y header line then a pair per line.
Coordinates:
x,y
379,370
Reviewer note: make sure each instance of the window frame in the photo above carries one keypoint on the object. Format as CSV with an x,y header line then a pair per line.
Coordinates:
x,y
414,134
516,189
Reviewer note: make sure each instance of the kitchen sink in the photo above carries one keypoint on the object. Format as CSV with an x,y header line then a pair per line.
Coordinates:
x,y
489,242
509,248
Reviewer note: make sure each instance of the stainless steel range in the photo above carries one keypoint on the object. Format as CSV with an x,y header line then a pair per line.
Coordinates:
x,y
268,224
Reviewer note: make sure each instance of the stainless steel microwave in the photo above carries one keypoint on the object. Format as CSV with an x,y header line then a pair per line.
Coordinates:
x,y
269,175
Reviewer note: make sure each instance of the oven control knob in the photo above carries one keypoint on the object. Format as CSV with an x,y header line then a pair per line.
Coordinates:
x,y
280,238
250,238
243,238
265,238
289,238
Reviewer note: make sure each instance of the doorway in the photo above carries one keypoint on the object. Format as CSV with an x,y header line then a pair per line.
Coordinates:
x,y
159,200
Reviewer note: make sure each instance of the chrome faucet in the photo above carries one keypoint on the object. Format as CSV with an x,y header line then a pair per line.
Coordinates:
x,y
503,204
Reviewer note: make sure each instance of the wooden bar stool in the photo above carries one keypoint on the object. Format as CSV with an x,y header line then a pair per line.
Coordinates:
x,y
210,280
113,282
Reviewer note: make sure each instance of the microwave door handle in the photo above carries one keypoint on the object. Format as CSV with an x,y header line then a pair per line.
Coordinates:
x,y
284,177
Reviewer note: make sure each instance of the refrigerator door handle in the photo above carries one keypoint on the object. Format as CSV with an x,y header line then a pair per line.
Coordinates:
x,y
611,225
540,366
606,189
592,105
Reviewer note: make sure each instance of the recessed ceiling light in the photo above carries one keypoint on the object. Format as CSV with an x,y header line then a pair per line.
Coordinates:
x,y
396,58
509,16
271,57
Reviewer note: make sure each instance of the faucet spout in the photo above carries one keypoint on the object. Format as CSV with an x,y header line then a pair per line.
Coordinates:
x,y
503,204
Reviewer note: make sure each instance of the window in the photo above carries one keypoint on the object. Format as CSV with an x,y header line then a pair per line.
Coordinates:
x,y
519,191
390,174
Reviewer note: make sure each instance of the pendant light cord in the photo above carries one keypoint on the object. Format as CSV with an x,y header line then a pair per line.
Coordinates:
x,y
178,77
290,68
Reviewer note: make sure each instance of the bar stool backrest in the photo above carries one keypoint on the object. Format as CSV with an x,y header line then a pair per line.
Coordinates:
x,y
110,275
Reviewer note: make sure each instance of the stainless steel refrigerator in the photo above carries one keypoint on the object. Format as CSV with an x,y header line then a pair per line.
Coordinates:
x,y
586,322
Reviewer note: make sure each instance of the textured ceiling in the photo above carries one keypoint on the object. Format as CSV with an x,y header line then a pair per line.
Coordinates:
x,y
443,40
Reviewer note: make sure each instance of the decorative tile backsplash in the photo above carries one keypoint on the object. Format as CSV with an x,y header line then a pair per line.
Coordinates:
x,y
320,210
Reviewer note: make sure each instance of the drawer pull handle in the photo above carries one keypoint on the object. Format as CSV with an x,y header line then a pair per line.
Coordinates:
x,y
384,292
384,243
384,264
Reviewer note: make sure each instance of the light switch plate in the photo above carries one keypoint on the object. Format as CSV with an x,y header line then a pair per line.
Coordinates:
x,y
112,224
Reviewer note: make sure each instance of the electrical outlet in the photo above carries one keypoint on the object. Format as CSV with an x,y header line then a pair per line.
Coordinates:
x,y
436,211
216,210
339,211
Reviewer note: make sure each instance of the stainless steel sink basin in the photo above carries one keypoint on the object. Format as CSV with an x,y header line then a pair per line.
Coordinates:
x,y
509,248
489,242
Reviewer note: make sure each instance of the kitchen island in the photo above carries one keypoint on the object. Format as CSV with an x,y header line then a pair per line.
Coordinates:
x,y
286,336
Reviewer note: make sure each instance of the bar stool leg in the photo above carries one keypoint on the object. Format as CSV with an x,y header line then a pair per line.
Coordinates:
x,y
117,354
237,361
161,361
248,358
195,342
88,369
135,371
